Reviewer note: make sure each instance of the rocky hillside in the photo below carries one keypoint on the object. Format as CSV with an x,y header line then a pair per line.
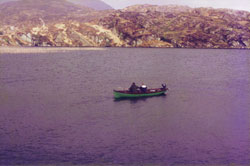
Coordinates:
x,y
173,26
66,24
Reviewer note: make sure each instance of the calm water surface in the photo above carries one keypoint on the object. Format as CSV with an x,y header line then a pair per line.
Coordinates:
x,y
58,108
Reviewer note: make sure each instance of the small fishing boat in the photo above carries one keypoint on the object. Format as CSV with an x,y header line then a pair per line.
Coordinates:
x,y
148,93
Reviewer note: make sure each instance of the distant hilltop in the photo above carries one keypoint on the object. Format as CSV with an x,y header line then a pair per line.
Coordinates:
x,y
75,23
94,4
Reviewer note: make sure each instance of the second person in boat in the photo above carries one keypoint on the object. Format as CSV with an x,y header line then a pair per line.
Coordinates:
x,y
143,88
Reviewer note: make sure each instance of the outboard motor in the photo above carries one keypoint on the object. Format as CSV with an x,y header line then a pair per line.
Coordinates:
x,y
164,86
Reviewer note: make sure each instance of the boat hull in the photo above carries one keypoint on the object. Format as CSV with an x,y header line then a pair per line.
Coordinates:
x,y
118,94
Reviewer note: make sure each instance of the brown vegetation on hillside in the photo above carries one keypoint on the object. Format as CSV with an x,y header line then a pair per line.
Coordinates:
x,y
61,23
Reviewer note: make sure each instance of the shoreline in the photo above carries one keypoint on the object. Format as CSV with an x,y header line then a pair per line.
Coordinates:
x,y
26,50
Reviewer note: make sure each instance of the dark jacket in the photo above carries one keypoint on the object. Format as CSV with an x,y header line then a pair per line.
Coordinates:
x,y
133,88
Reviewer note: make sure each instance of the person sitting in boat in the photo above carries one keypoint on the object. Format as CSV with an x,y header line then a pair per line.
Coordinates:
x,y
143,88
133,88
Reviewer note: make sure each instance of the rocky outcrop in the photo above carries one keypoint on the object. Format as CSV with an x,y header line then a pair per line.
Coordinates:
x,y
135,26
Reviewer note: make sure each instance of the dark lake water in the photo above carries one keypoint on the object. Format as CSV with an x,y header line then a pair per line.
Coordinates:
x,y
58,108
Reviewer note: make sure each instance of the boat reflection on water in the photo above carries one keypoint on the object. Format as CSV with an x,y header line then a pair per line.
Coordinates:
x,y
139,99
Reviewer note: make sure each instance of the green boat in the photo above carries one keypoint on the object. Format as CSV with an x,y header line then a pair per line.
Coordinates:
x,y
150,92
